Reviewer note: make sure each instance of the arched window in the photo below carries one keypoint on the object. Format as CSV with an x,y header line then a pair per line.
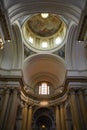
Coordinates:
x,y
1,42
44,88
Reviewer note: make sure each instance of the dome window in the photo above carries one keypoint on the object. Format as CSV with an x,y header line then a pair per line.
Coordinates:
x,y
44,44
44,88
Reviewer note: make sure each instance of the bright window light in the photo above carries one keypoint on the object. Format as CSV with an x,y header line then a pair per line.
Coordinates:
x,y
8,41
44,88
58,40
30,39
43,126
1,43
44,15
44,44
43,103
1,40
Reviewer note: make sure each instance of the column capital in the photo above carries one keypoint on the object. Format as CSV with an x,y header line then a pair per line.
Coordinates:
x,y
30,107
58,106
80,92
72,91
7,91
14,90
62,104
24,105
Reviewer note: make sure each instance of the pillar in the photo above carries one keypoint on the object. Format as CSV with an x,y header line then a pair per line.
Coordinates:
x,y
13,110
66,118
4,107
83,107
24,117
63,124
29,123
58,118
74,111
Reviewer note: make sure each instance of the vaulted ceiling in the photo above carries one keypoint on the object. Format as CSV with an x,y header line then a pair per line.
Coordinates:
x,y
42,48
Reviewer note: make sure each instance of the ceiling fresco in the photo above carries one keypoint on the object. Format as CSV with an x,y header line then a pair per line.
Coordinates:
x,y
44,27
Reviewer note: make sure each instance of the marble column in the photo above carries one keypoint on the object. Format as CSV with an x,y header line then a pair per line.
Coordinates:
x,y
74,111
24,117
29,123
66,119
58,118
63,124
83,107
13,110
4,107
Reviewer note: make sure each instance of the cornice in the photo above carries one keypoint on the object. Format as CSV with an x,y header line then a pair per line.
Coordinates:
x,y
18,10
54,97
12,78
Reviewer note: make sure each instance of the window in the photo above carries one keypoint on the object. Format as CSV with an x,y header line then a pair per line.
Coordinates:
x,y
1,43
44,44
44,88
30,39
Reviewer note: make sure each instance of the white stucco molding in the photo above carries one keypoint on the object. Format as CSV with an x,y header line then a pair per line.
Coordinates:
x,y
77,73
25,8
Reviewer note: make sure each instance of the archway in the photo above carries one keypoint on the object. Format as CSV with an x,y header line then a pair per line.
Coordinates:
x,y
43,123
43,119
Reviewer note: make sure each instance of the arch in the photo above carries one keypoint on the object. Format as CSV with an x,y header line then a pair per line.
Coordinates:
x,y
35,69
69,44
76,56
43,116
11,57
19,47
23,9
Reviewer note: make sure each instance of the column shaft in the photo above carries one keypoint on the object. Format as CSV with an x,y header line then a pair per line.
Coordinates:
x,y
29,124
24,118
12,113
63,125
83,108
74,111
58,118
66,119
4,107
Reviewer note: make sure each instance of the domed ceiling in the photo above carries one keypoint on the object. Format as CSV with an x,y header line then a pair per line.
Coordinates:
x,y
44,32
